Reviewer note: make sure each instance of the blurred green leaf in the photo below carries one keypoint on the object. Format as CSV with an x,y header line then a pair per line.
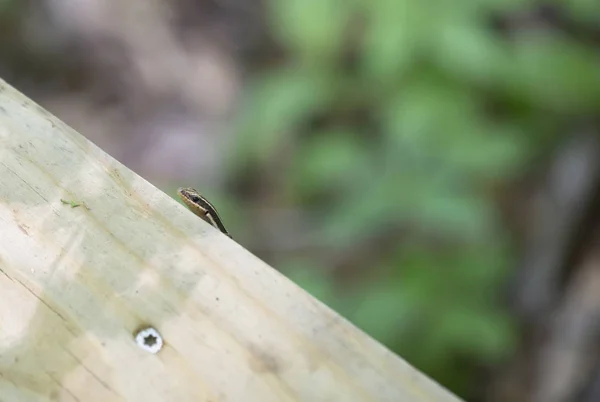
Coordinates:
x,y
442,127
455,214
555,74
329,160
431,201
480,267
428,115
476,332
311,29
463,315
469,51
484,8
360,212
385,311
276,105
310,277
584,10
494,152
394,35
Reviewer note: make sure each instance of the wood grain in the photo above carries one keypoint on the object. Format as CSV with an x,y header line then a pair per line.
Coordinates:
x,y
76,284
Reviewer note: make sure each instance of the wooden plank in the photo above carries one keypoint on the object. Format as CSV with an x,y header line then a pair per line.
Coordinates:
x,y
77,282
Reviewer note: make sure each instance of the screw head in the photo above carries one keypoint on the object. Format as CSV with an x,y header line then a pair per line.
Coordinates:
x,y
149,339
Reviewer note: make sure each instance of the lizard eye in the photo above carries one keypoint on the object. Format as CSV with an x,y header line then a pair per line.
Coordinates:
x,y
196,198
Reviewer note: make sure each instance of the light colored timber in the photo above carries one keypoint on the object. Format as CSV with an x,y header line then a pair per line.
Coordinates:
x,y
77,282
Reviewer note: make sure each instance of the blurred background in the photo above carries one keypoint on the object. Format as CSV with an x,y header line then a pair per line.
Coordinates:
x,y
430,170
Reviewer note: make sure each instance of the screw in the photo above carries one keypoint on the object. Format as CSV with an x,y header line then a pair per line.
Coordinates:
x,y
149,339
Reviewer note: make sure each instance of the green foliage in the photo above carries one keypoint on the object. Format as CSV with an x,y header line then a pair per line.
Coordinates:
x,y
336,158
434,108
277,105
555,73
586,11
311,29
314,281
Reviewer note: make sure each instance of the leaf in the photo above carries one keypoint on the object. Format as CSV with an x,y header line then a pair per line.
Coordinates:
x,y
455,214
309,276
427,115
276,105
395,32
584,10
385,312
555,74
376,201
329,160
442,127
492,152
484,333
468,50
311,29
